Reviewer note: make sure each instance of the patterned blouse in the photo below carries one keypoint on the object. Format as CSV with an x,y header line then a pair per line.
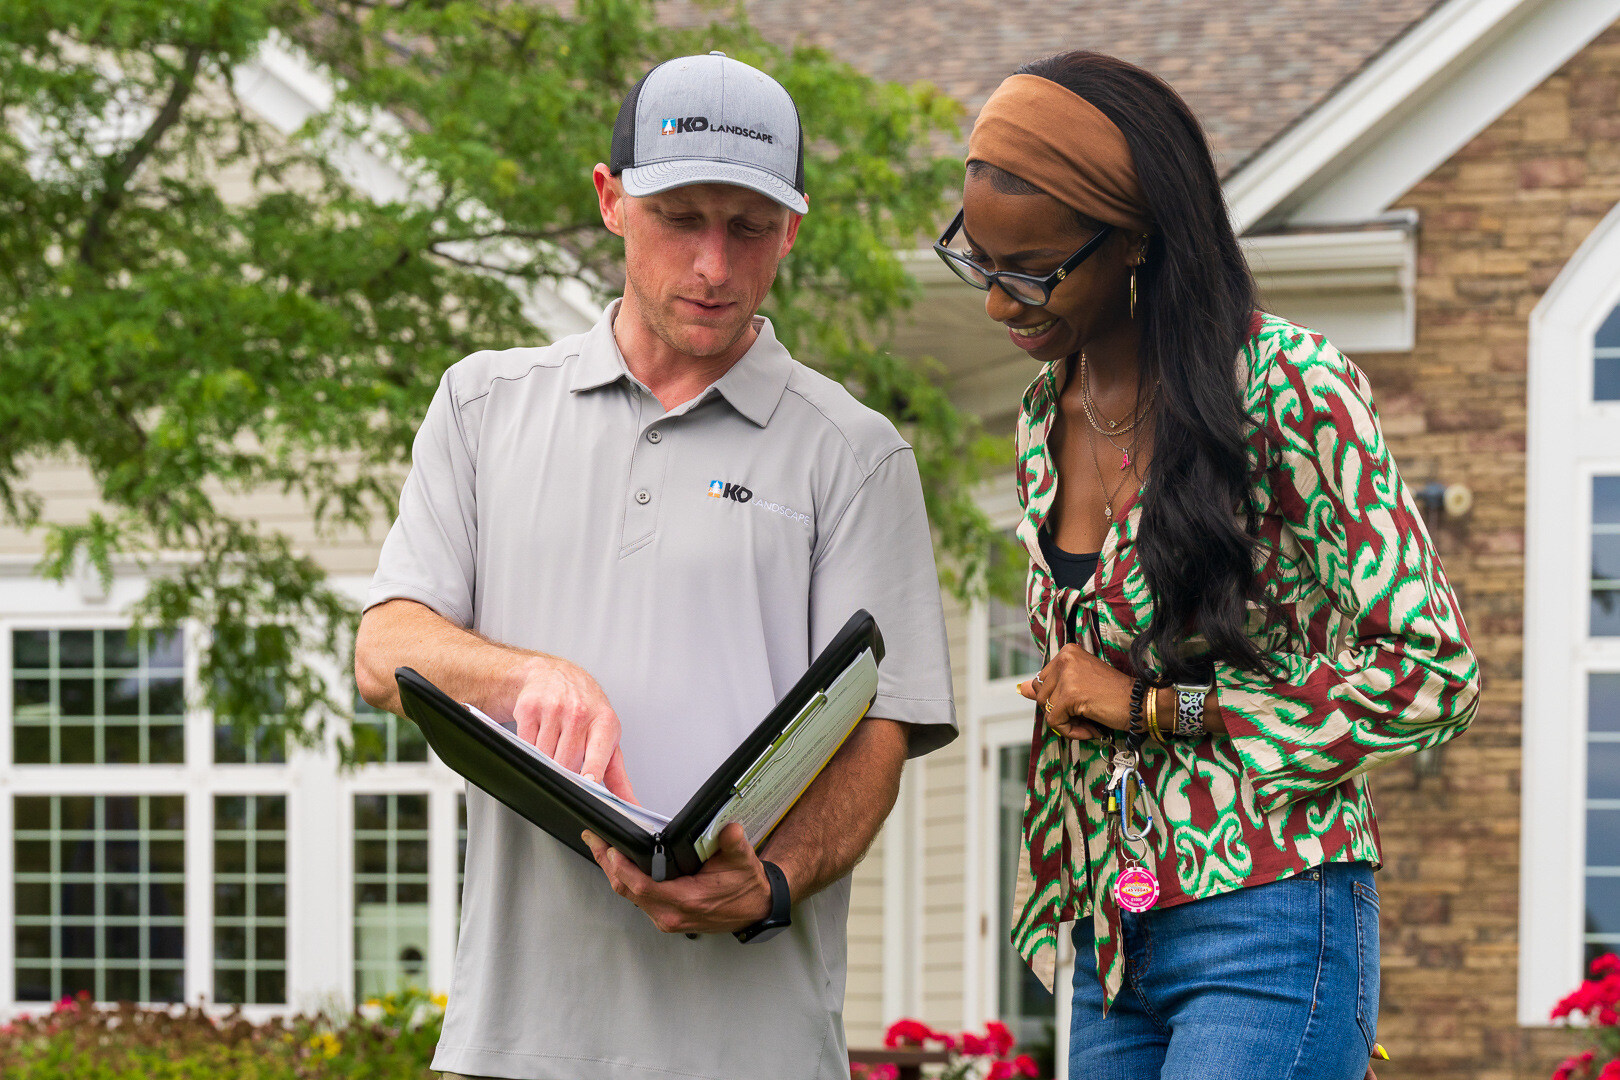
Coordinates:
x,y
1374,659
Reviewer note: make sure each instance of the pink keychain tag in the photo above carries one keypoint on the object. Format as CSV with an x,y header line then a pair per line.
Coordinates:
x,y
1136,889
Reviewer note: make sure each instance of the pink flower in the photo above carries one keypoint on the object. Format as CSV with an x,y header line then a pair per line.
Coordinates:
x,y
1025,1066
1001,1070
1611,1071
887,1071
1606,964
1000,1036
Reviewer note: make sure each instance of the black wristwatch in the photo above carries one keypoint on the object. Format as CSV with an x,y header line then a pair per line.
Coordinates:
x,y
780,917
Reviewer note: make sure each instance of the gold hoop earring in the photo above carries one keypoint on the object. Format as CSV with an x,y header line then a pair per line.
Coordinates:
x,y
1133,292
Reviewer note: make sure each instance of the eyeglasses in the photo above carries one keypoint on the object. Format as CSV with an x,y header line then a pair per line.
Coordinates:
x,y
1027,289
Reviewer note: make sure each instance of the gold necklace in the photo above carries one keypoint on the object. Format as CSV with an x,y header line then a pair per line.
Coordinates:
x,y
1102,485
1108,428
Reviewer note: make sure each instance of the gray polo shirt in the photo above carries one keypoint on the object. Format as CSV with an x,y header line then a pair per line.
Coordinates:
x,y
694,562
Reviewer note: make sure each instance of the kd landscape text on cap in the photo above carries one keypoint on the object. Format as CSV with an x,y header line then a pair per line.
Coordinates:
x,y
710,120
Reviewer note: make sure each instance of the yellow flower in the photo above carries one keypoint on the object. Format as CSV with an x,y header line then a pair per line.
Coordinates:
x,y
326,1043
441,1000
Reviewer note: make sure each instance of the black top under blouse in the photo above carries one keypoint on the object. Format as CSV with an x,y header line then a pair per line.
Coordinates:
x,y
1070,571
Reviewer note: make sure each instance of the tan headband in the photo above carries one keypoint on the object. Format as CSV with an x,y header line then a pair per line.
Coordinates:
x,y
1055,139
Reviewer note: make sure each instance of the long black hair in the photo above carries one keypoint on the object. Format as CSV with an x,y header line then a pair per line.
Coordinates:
x,y
1196,299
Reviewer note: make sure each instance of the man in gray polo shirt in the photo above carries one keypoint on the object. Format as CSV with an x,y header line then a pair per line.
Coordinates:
x,y
632,542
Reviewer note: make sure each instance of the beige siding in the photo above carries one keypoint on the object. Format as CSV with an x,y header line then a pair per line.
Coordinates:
x,y
863,998
71,494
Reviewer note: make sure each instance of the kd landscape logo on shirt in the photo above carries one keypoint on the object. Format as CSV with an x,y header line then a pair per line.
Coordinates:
x,y
719,489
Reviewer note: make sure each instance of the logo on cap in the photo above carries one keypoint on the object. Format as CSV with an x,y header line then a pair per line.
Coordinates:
x,y
675,125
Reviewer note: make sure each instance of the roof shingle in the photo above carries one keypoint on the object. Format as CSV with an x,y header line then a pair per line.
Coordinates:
x,y
1251,69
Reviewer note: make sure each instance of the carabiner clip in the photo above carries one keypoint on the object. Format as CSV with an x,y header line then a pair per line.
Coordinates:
x,y
1122,797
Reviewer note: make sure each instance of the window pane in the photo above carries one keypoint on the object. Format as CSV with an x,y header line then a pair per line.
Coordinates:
x,y
390,883
1603,905
1012,650
31,648
84,697
118,650
100,881
1603,770
1603,702
1603,838
1608,335
77,648
396,738
1606,377
250,936
1025,1005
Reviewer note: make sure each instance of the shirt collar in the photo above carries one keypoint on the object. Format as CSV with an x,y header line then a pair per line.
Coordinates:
x,y
753,386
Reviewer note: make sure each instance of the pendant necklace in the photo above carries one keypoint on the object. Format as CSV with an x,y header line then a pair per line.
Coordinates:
x,y
1108,428
1108,496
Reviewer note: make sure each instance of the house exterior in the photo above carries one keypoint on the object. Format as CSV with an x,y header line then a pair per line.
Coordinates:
x,y
1434,185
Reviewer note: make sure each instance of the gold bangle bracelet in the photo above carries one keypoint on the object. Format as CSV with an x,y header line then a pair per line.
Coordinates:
x,y
1152,711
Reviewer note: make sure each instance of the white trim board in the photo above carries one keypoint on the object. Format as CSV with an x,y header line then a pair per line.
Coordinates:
x,y
1411,108
1566,445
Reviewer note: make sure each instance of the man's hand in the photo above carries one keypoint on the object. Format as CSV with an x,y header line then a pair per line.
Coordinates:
x,y
730,892
564,713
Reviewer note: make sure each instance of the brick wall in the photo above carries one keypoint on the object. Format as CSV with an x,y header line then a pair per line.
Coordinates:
x,y
1497,224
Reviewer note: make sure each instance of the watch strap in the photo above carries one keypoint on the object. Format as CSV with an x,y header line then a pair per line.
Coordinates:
x,y
1190,709
781,913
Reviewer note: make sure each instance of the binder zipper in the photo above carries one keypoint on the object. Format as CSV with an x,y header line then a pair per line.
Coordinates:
x,y
658,867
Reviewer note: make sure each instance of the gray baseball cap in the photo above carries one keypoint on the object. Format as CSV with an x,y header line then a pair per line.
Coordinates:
x,y
710,120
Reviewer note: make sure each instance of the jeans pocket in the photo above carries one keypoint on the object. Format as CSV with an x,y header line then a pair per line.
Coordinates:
x,y
1365,902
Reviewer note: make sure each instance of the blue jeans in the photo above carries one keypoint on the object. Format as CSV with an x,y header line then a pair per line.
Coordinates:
x,y
1272,982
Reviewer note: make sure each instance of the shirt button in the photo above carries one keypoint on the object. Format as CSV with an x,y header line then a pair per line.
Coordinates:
x,y
654,435
643,497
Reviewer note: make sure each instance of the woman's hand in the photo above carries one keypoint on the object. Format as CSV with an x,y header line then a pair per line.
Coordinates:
x,y
1081,696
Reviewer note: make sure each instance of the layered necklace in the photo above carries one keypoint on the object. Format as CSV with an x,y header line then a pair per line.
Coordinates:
x,y
1109,430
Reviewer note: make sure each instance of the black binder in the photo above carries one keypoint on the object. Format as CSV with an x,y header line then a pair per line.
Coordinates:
x,y
505,770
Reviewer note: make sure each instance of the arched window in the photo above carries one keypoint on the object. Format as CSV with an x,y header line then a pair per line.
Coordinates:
x,y
1570,839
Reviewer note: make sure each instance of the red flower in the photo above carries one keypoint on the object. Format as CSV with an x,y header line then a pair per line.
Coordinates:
x,y
909,1033
1000,1037
1611,1071
1001,1070
1606,964
1025,1066
976,1045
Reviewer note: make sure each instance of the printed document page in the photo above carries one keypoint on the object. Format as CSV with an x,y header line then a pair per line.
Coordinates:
x,y
650,820
775,781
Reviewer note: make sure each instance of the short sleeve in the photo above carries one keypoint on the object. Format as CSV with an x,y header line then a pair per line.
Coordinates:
x,y
879,556
428,555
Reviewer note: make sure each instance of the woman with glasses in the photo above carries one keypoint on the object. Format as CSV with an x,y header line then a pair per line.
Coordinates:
x,y
1241,610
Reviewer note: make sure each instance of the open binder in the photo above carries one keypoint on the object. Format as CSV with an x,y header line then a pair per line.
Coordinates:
x,y
755,786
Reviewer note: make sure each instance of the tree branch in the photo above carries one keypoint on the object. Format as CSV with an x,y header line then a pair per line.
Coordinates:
x,y
112,195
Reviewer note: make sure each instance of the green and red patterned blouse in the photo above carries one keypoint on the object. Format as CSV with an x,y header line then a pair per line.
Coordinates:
x,y
1374,662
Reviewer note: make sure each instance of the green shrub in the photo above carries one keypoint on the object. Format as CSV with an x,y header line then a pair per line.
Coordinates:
x,y
391,1039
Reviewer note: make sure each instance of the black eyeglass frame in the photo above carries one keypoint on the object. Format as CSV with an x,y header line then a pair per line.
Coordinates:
x,y
955,259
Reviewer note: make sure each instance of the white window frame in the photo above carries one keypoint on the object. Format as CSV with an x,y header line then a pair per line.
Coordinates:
x,y
320,858
1570,439
996,717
